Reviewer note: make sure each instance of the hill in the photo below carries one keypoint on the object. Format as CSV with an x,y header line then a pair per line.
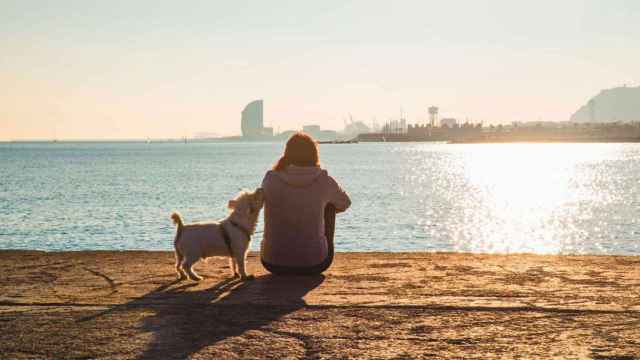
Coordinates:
x,y
621,104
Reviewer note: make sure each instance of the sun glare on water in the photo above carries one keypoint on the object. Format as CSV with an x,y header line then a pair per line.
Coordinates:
x,y
517,197
530,195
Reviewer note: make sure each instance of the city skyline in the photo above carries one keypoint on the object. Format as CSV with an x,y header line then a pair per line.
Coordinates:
x,y
146,70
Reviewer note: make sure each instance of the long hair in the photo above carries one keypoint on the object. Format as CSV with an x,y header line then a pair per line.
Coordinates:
x,y
301,150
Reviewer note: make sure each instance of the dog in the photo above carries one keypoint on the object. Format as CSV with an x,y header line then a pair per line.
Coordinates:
x,y
228,237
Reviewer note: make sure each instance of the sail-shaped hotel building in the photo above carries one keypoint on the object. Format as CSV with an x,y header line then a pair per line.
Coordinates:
x,y
252,122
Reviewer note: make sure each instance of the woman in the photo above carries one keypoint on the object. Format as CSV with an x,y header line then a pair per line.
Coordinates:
x,y
301,200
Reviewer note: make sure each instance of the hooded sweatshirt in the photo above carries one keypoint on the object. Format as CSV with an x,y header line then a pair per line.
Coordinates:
x,y
294,215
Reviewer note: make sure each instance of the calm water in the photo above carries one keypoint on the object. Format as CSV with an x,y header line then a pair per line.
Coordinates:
x,y
544,198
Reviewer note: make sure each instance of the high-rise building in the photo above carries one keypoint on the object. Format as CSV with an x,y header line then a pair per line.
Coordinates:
x,y
252,121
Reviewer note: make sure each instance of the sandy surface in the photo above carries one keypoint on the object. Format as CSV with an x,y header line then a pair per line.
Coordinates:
x,y
368,305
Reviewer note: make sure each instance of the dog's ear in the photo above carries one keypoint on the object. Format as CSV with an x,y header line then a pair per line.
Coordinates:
x,y
232,204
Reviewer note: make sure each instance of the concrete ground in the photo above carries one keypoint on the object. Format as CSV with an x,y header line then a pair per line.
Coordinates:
x,y
126,305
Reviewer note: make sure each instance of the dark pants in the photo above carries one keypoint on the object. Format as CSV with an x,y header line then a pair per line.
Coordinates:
x,y
329,229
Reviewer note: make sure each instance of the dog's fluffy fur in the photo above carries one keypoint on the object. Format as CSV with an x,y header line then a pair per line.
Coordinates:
x,y
194,242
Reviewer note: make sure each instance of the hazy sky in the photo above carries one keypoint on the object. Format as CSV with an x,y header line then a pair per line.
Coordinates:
x,y
137,69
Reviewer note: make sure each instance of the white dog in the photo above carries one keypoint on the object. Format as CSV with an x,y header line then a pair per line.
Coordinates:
x,y
227,237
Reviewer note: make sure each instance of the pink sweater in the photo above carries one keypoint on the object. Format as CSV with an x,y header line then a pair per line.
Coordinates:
x,y
294,215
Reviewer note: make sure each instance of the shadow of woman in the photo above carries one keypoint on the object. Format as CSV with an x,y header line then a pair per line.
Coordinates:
x,y
186,322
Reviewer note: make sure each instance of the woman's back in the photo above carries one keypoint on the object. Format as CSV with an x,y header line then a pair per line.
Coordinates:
x,y
295,200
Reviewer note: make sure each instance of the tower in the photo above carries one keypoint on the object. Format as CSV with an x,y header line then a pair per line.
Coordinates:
x,y
433,115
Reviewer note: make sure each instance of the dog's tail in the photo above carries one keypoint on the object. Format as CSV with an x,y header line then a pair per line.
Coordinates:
x,y
177,219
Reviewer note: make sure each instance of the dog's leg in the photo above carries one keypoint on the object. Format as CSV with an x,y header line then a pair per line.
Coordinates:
x,y
234,266
241,260
188,267
179,259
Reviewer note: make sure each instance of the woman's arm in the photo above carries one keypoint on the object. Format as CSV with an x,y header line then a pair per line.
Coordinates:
x,y
329,226
338,198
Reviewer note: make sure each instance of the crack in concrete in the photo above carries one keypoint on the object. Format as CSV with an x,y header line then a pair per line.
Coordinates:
x,y
442,308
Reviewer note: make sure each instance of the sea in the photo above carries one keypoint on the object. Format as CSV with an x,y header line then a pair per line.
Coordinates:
x,y
489,198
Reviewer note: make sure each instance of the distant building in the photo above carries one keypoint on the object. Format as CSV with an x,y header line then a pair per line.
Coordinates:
x,y
252,120
395,127
311,129
327,135
355,128
448,122
321,135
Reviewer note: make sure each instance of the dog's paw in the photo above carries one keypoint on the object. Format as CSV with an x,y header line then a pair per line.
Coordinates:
x,y
247,277
236,276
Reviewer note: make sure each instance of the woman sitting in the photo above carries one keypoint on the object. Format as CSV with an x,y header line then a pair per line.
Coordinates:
x,y
301,201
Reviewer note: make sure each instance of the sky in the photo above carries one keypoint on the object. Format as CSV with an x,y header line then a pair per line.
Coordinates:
x,y
168,69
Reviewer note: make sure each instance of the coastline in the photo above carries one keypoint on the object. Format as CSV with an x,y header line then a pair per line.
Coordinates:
x,y
124,304
546,141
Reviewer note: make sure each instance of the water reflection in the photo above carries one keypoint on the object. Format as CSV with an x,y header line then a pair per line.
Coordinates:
x,y
544,198
516,197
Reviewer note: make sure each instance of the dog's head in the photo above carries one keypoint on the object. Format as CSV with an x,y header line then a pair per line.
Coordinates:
x,y
248,203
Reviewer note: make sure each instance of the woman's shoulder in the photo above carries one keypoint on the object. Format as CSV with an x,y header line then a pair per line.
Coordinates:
x,y
266,178
269,173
